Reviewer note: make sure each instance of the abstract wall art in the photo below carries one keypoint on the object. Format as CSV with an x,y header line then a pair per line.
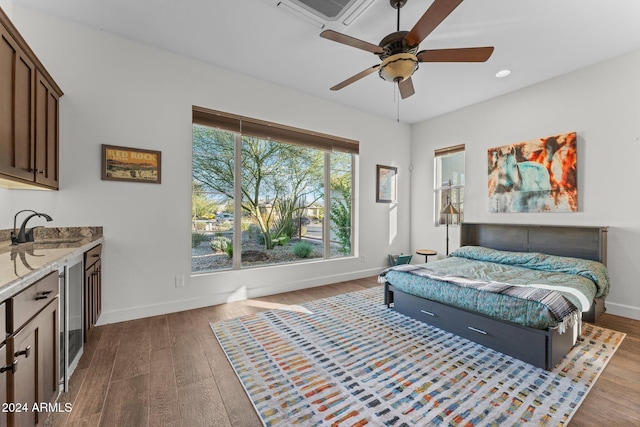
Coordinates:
x,y
534,176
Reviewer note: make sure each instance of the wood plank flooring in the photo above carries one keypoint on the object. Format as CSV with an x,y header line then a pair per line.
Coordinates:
x,y
170,371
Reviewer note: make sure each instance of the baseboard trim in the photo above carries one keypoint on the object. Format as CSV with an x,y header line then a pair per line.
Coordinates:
x,y
140,312
623,310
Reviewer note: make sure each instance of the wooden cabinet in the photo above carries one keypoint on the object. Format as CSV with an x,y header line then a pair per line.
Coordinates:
x,y
46,132
28,115
32,350
92,289
17,77
3,383
4,367
23,382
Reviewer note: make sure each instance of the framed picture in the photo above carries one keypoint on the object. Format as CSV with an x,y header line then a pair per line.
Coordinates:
x,y
386,184
540,175
130,164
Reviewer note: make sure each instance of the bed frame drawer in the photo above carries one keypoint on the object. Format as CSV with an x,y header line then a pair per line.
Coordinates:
x,y
527,344
433,313
522,343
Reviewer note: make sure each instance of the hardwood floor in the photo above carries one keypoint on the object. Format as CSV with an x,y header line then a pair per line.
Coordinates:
x,y
170,371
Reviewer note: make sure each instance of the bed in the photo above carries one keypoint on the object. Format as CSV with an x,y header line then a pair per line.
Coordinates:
x,y
447,295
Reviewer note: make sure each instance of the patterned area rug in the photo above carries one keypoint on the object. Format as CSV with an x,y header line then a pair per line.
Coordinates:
x,y
349,361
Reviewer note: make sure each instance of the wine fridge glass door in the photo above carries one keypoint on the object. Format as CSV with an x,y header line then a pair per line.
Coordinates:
x,y
71,319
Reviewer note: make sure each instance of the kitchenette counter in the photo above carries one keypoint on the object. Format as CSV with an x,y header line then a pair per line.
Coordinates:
x,y
25,263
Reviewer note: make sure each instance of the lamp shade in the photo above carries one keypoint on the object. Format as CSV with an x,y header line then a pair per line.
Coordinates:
x,y
449,209
398,67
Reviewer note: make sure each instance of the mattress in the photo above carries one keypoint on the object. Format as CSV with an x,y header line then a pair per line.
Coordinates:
x,y
578,281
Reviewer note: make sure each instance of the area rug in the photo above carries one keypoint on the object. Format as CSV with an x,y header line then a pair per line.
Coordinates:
x,y
350,361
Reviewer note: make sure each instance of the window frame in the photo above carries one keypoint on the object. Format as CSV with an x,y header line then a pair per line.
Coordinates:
x,y
441,190
245,126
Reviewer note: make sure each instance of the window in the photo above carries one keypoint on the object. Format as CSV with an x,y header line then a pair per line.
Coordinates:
x,y
266,194
449,184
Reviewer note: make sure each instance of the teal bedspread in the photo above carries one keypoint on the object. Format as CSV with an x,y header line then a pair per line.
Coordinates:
x,y
585,279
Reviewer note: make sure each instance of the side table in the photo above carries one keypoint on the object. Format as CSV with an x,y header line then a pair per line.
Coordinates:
x,y
427,253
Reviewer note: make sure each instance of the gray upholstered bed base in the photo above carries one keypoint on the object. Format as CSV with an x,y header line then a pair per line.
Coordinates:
x,y
539,347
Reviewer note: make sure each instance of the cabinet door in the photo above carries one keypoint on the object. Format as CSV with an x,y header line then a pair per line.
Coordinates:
x,y
23,387
48,353
97,291
3,384
36,378
17,77
93,298
46,133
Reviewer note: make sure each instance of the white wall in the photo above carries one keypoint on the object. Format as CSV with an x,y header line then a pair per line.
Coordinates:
x,y
123,93
601,103
7,6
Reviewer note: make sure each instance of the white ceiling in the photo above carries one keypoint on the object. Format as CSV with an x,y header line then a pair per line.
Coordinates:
x,y
536,39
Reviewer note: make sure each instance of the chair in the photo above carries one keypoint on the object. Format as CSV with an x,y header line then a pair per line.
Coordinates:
x,y
397,259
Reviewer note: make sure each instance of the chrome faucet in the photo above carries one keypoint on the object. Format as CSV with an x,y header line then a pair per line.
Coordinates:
x,y
24,235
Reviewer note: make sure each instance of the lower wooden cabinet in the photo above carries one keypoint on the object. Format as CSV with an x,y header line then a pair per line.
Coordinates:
x,y
3,383
48,357
92,289
23,383
32,353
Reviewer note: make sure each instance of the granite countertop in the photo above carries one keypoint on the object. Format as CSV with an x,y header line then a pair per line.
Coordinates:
x,y
23,264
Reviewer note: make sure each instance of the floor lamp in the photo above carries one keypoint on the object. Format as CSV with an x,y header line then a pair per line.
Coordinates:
x,y
448,210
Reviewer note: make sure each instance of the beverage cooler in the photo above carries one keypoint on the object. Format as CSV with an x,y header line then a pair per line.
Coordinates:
x,y
71,318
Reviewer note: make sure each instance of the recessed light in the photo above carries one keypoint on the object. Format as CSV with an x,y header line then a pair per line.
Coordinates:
x,y
503,73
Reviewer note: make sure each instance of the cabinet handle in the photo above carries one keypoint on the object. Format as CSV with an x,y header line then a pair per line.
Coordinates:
x,y
42,295
480,331
26,352
13,367
428,312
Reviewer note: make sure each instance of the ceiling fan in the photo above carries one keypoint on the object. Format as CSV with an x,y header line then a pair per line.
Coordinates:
x,y
399,50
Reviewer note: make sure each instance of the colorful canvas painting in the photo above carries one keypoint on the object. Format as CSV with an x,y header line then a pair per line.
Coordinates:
x,y
534,176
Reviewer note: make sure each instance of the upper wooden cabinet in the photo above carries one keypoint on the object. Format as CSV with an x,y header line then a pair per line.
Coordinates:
x,y
46,132
28,115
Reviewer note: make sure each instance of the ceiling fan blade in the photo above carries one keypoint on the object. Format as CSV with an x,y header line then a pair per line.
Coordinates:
x,y
357,77
465,54
406,88
436,13
351,41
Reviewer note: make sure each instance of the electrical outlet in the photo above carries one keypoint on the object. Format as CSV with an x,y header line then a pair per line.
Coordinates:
x,y
361,258
179,281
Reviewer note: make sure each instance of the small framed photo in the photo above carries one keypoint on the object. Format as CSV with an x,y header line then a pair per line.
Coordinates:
x,y
130,164
386,184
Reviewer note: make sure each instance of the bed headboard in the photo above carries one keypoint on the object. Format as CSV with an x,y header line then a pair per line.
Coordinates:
x,y
573,241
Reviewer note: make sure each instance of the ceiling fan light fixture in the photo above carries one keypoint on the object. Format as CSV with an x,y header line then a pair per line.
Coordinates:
x,y
398,67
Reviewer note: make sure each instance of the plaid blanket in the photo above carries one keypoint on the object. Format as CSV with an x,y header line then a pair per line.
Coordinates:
x,y
562,310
